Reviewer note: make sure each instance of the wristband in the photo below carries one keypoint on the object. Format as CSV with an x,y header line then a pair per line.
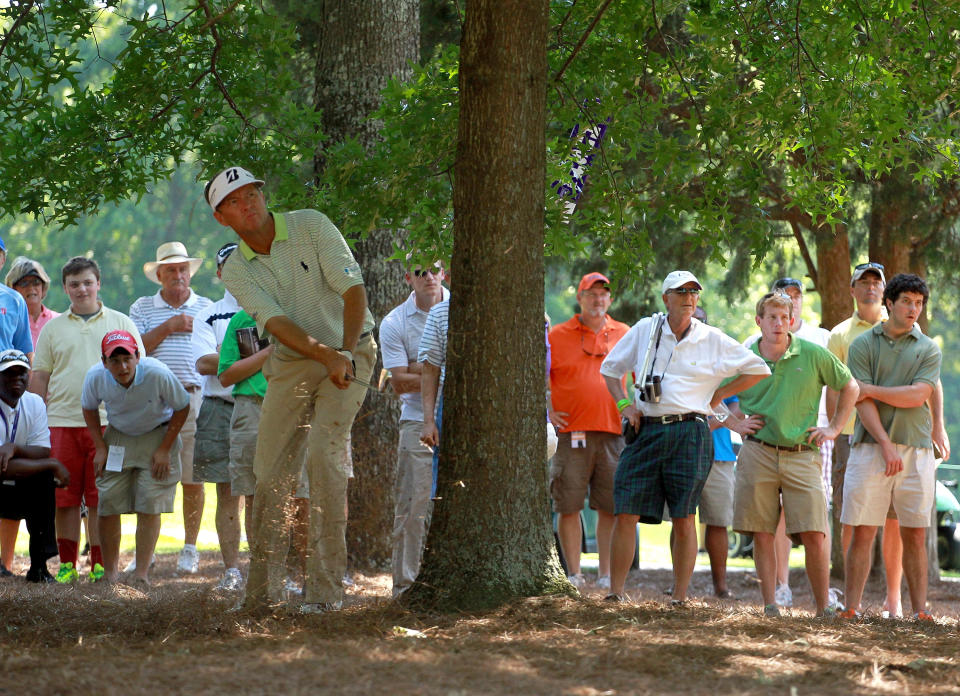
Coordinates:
x,y
622,404
346,353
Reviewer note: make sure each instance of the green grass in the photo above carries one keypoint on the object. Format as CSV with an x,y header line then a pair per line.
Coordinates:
x,y
171,530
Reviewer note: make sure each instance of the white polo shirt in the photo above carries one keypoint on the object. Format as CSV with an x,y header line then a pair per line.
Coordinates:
x,y
209,328
176,350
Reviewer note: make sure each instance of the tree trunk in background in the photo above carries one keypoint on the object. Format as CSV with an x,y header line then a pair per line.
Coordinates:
x,y
833,275
490,539
359,45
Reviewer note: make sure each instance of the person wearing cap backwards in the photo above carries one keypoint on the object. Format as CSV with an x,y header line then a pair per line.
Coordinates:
x,y
295,275
211,450
137,457
779,467
28,474
587,423
866,287
670,458
69,345
27,277
165,322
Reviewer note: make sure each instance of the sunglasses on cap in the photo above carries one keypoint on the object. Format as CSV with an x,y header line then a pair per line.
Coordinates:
x,y
788,283
869,264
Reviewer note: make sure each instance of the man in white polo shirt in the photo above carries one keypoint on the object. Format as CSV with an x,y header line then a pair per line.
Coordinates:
x,y
400,333
211,451
165,322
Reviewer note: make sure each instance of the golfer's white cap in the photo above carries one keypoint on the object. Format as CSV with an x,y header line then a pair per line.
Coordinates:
x,y
227,181
678,278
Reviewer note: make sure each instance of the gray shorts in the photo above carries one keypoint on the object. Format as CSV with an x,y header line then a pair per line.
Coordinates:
x,y
134,489
244,426
211,448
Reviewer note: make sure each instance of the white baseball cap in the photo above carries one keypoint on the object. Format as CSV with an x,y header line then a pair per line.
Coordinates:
x,y
227,181
677,278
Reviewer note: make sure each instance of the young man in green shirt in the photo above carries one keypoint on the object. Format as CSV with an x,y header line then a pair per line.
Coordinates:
x,y
892,458
780,457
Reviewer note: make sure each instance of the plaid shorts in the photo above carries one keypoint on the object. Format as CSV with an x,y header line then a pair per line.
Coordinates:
x,y
665,464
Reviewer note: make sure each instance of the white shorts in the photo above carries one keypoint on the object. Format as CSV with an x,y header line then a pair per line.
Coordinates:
x,y
868,491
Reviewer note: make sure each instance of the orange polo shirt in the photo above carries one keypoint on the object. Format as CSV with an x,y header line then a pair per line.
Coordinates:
x,y
576,385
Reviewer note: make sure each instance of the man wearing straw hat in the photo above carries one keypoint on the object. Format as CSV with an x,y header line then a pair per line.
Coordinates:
x,y
296,276
165,322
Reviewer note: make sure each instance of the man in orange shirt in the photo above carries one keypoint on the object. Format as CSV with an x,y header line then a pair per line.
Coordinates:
x,y
587,423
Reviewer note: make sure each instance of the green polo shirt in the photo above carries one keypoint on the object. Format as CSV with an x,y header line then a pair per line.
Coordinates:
x,y
255,384
877,359
841,337
303,278
789,400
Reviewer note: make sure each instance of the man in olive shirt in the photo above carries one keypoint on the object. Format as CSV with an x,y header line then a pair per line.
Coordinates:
x,y
892,456
295,275
779,458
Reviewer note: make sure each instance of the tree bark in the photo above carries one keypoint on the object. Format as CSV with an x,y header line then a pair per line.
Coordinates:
x,y
359,45
833,275
490,539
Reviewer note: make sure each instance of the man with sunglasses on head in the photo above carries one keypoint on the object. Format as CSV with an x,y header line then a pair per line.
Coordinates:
x,y
867,286
400,334
670,458
587,424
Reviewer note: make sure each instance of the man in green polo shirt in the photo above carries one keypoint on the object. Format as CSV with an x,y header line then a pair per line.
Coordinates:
x,y
296,276
892,458
780,457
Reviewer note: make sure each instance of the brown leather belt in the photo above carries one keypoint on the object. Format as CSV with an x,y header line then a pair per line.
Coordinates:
x,y
673,418
779,448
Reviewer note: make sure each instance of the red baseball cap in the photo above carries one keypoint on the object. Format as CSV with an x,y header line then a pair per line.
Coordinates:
x,y
118,339
591,279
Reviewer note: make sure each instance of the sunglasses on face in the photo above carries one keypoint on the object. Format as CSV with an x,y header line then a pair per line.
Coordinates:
x,y
420,272
684,291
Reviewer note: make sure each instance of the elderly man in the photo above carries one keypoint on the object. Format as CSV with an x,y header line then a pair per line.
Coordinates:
x,y
778,469
587,423
400,333
165,323
892,459
679,365
295,275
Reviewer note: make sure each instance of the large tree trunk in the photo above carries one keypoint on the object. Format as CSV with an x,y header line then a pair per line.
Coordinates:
x,y
490,539
359,45
833,275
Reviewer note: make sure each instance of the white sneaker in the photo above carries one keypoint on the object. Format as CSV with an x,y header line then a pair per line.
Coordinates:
x,y
132,565
603,582
783,595
833,599
577,580
189,561
232,581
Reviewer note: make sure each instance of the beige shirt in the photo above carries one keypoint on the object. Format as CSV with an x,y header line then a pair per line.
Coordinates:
x,y
303,278
69,346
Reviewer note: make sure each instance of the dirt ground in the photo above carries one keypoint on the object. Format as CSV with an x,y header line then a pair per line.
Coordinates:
x,y
179,637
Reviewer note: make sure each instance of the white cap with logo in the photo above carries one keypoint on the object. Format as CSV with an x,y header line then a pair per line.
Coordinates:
x,y
677,278
227,181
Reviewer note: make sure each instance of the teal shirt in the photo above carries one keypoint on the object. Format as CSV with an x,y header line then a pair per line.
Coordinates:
x,y
876,359
254,385
789,400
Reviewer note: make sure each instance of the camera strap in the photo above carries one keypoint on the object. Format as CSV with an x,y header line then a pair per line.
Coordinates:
x,y
656,332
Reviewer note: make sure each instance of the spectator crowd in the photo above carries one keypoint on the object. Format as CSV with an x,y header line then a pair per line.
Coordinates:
x,y
105,413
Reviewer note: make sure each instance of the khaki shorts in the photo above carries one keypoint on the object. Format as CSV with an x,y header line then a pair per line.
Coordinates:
x,y
574,470
211,448
716,499
765,476
244,425
868,492
187,435
134,489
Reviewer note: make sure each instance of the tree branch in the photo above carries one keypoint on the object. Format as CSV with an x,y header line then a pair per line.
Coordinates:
x,y
21,18
583,39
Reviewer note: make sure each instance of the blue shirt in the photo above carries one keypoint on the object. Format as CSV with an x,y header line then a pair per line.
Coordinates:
x,y
146,404
722,446
14,321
